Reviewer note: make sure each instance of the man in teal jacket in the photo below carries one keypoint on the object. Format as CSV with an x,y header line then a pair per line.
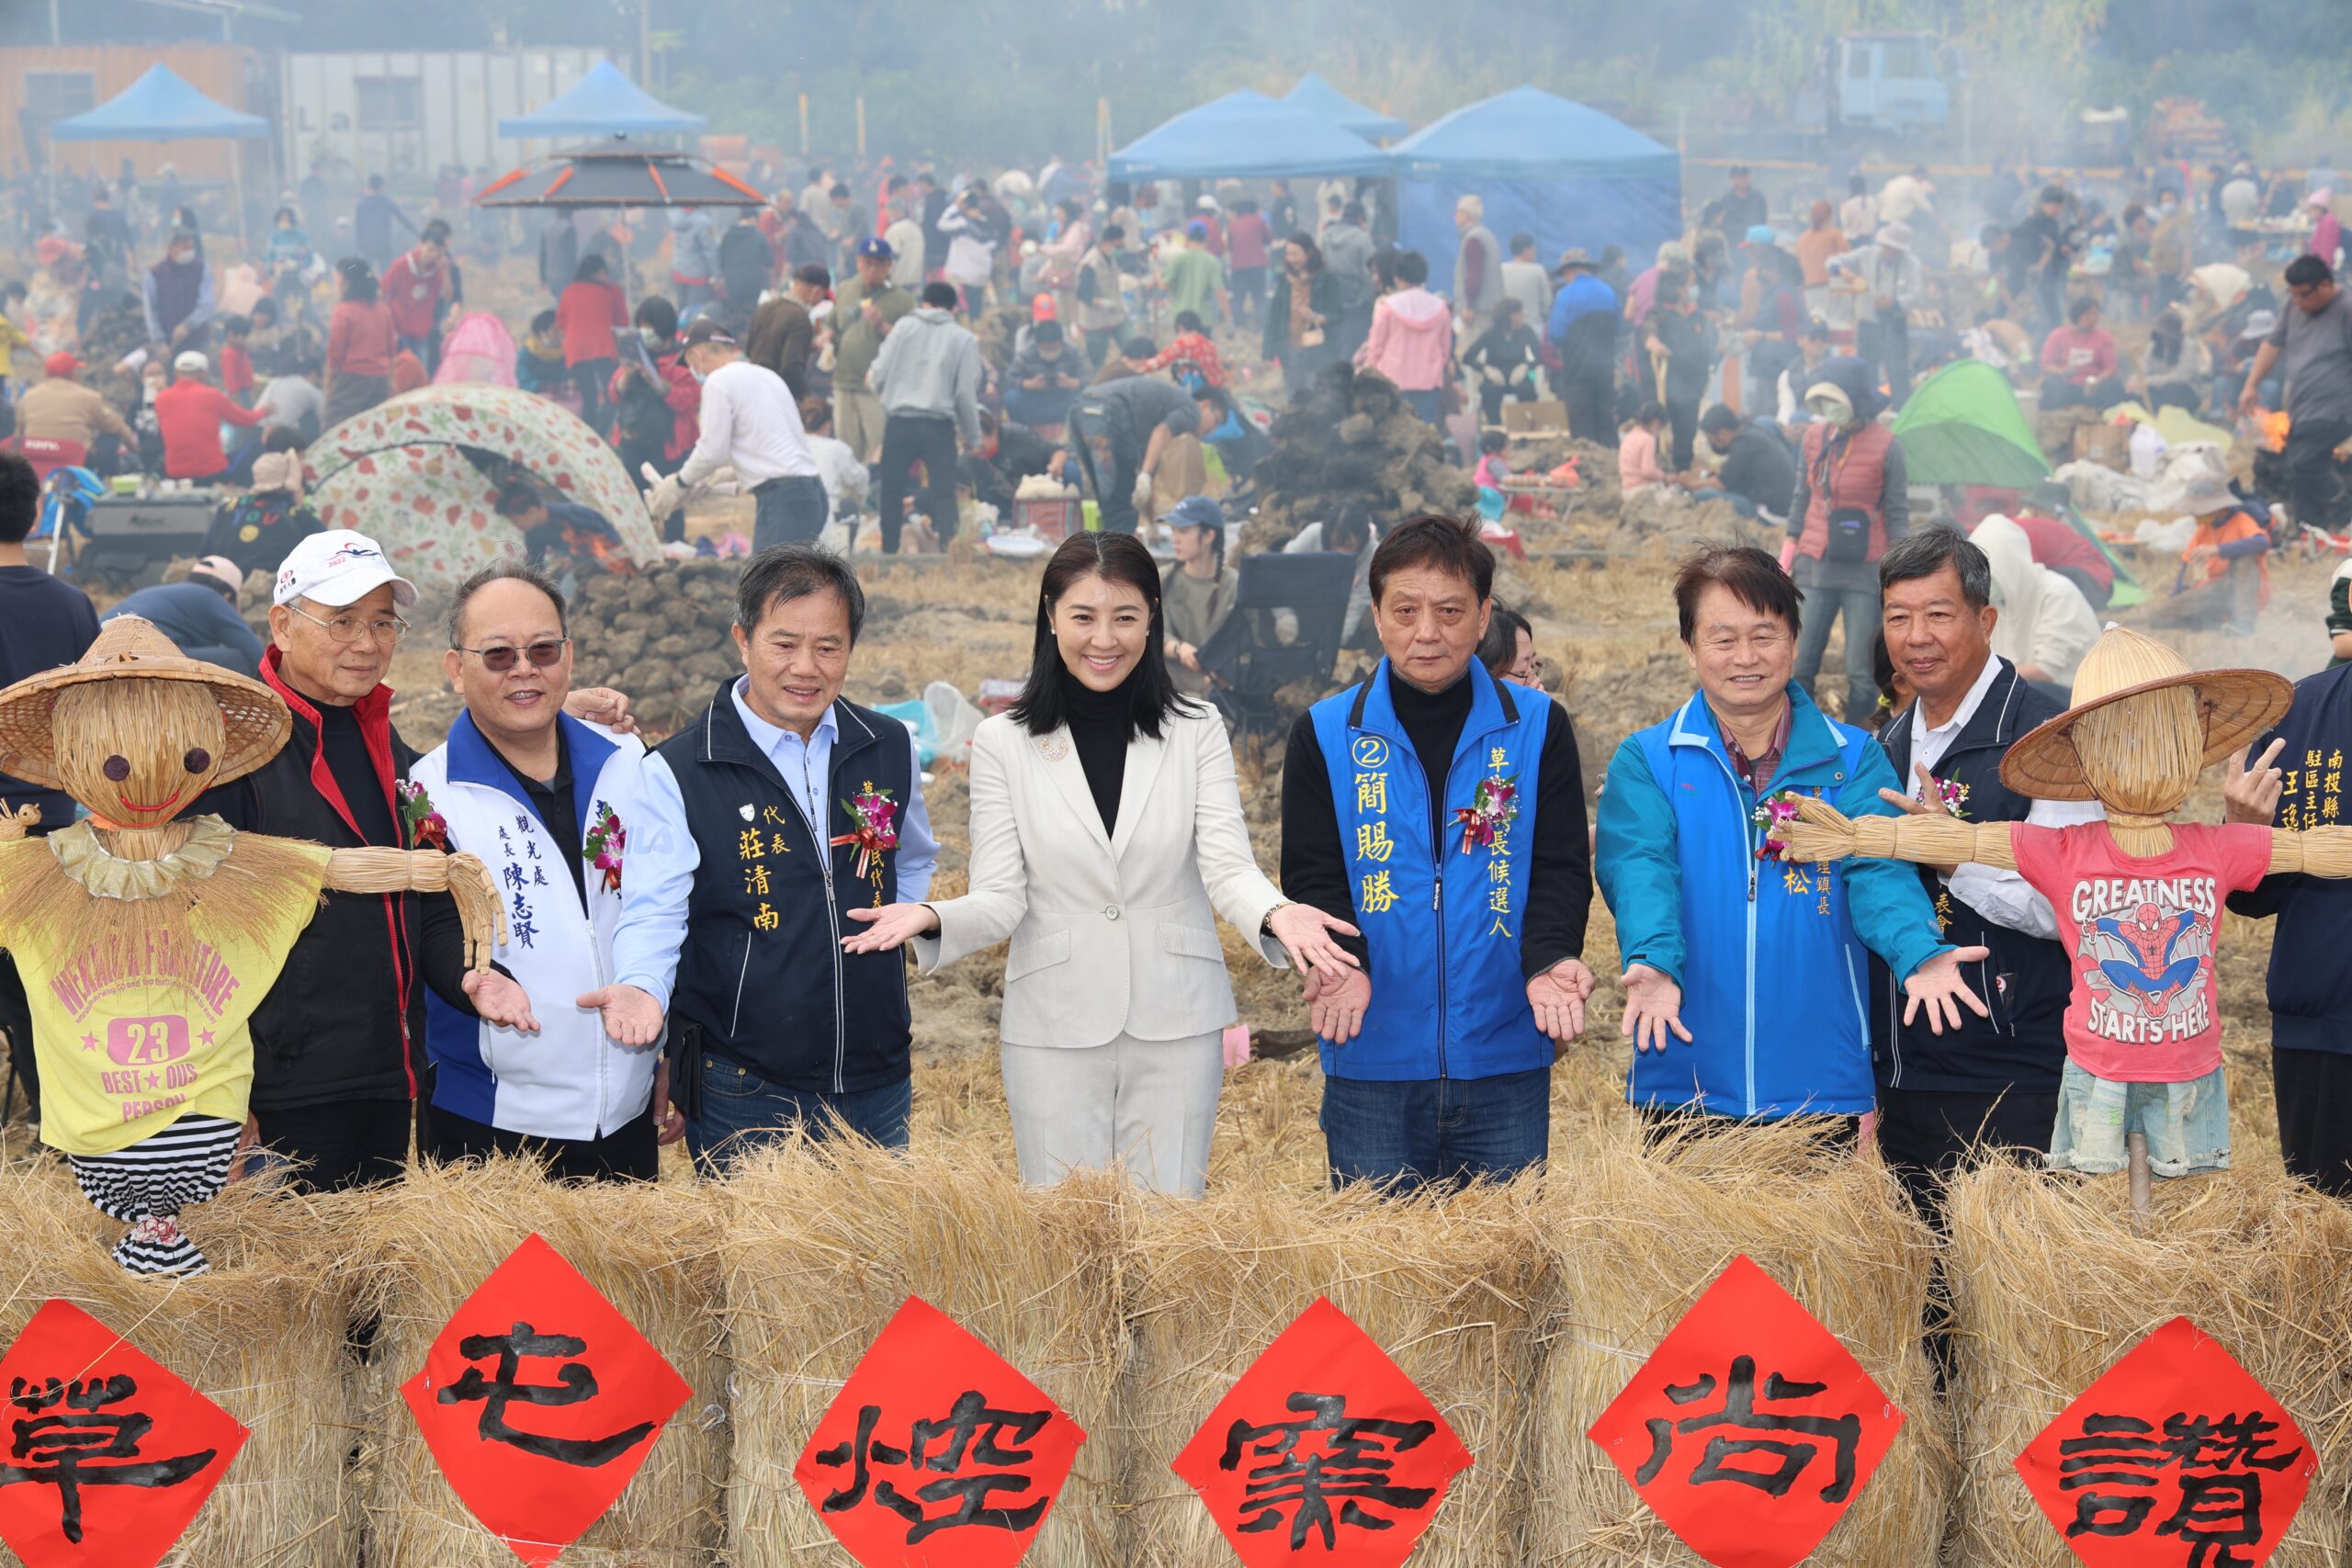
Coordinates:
x,y
1746,979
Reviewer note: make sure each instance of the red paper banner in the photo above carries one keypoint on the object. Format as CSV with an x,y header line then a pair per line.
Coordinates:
x,y
1750,1430
106,1457
540,1400
937,1454
2176,1458
1324,1452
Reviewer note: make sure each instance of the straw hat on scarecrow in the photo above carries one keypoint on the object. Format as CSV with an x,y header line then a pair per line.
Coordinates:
x,y
146,936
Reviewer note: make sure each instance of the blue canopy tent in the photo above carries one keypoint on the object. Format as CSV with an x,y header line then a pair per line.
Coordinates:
x,y
602,103
164,106
1317,96
1245,135
1565,174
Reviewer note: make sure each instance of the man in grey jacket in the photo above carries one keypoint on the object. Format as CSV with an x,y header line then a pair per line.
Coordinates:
x,y
928,378
1347,256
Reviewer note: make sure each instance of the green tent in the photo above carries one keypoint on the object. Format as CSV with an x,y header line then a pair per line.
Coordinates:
x,y
1962,427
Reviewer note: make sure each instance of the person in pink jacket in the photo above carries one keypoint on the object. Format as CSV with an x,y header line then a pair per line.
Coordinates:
x,y
1412,338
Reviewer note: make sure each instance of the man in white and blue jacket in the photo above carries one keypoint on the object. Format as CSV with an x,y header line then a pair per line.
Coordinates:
x,y
781,808
547,802
1747,980
1446,809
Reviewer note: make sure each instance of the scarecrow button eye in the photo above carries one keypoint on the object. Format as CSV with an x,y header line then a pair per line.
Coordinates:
x,y
116,768
196,759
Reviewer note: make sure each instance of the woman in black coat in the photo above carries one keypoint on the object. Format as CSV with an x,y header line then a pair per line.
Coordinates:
x,y
1298,314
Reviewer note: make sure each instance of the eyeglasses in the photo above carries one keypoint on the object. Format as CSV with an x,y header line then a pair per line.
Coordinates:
x,y
498,660
347,629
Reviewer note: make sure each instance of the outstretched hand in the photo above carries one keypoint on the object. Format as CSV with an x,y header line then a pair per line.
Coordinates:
x,y
1653,1007
1336,1000
1937,985
500,1001
1558,995
1305,933
631,1016
890,927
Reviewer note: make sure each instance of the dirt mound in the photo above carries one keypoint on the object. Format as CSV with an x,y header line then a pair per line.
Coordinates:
x,y
660,635
1351,437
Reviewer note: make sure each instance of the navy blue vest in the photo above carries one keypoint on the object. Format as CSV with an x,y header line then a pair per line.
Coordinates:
x,y
762,973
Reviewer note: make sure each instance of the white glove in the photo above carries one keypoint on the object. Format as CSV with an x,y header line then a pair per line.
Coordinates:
x,y
665,497
1142,489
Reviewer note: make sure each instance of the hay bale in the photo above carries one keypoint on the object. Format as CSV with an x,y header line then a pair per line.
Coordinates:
x,y
430,1239
2052,1284
825,1241
1450,1291
1636,1237
261,1336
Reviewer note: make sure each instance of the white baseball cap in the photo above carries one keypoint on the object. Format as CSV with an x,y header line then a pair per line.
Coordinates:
x,y
336,568
191,362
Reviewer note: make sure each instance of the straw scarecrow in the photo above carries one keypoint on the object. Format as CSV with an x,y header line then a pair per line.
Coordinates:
x,y
146,938
2139,898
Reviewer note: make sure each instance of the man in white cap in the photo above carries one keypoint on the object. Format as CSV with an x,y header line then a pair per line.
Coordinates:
x,y
199,613
189,414
1887,282
338,1043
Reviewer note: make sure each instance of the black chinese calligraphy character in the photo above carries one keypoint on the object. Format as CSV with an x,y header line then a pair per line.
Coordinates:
x,y
2216,1461
574,1383
85,1445
1356,1466
1789,1456
970,1430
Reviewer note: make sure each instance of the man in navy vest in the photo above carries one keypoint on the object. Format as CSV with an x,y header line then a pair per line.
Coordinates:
x,y
1992,1083
783,806
1447,810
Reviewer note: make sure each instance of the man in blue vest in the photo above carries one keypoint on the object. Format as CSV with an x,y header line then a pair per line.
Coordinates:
x,y
1992,1082
1746,979
783,806
1447,810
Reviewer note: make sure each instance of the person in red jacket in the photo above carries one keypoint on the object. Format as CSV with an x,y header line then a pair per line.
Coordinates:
x,y
360,345
418,289
189,413
587,313
656,417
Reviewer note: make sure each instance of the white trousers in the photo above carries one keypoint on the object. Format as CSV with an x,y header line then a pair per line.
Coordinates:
x,y
1151,1103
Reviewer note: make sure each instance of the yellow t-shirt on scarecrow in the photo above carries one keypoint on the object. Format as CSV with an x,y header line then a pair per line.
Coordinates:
x,y
139,1014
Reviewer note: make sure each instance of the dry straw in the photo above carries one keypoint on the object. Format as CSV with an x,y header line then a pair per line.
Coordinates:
x,y
1451,1292
1637,1236
824,1242
2052,1284
430,1240
261,1336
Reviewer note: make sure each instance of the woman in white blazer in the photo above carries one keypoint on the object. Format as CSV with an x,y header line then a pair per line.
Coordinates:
x,y
1107,837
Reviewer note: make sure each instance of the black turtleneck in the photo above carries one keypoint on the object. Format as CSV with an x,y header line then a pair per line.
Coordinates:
x,y
1434,724
1101,725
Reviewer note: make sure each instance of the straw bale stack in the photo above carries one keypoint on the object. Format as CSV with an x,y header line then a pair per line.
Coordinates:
x,y
2052,1284
1452,1292
1637,1236
825,1241
430,1239
261,1336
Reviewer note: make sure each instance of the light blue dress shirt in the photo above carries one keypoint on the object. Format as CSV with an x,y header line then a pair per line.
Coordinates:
x,y
663,857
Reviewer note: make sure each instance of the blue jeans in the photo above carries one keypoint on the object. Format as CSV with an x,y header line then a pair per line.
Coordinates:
x,y
741,1110
789,511
1822,607
1429,405
1441,1131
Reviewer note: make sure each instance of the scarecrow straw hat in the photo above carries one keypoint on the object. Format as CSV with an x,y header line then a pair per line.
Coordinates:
x,y
2234,706
254,717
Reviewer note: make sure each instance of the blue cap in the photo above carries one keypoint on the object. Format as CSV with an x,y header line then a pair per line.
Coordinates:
x,y
1761,234
1197,229
878,248
1195,512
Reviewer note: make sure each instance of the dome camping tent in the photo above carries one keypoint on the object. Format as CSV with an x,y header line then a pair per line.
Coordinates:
x,y
1565,174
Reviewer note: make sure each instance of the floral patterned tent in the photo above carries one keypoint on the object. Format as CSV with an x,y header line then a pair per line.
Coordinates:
x,y
419,474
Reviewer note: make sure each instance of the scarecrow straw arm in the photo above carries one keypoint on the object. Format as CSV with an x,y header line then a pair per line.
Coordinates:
x,y
461,875
2318,851
1822,832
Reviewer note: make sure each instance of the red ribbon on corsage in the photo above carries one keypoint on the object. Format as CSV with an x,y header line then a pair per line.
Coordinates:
x,y
877,816
1488,815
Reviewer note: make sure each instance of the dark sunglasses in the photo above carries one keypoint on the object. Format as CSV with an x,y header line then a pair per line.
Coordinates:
x,y
498,660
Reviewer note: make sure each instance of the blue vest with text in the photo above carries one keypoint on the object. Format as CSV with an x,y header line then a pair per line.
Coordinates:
x,y
1449,998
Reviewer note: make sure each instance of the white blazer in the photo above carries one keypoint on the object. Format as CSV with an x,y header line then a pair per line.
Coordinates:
x,y
1113,935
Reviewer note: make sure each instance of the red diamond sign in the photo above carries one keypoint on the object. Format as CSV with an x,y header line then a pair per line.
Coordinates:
x,y
2176,1456
1323,1452
1750,1430
540,1400
937,1453
106,1458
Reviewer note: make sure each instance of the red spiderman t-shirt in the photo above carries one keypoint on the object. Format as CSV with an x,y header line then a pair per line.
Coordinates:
x,y
2142,934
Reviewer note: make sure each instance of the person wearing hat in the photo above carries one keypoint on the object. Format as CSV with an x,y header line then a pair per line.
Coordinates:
x,y
1107,838
2238,357
928,376
258,529
199,613
2078,362
865,309
2223,581
1193,277
749,422
189,413
59,419
1196,591
179,295
1852,501
1583,330
1882,283
1207,213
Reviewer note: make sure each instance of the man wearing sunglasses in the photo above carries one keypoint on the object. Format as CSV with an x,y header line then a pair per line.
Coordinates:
x,y
338,1043
549,804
